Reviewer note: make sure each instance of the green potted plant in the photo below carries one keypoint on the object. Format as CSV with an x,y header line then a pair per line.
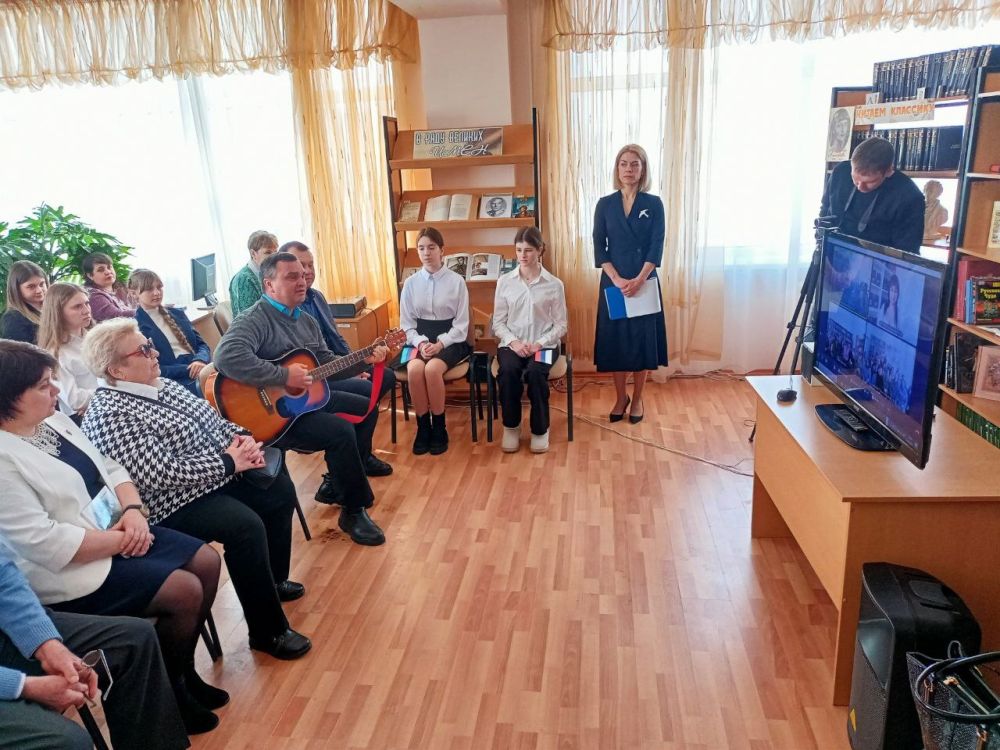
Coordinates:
x,y
57,241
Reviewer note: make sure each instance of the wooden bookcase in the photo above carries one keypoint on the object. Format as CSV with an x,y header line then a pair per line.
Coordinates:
x,y
978,189
520,151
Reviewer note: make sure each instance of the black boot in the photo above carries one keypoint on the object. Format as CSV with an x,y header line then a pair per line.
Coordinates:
x,y
197,719
208,696
439,435
329,491
363,530
422,442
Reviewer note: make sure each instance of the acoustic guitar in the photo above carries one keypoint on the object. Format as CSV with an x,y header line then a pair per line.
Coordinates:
x,y
268,411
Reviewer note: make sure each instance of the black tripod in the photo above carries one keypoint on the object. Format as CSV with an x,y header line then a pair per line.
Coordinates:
x,y
802,309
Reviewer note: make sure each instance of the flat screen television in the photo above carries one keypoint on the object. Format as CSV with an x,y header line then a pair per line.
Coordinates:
x,y
880,343
203,279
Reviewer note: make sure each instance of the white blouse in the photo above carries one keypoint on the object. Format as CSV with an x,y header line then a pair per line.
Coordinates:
x,y
533,312
76,382
175,345
437,296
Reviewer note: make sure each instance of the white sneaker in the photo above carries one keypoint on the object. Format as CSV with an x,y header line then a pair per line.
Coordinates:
x,y
540,443
511,439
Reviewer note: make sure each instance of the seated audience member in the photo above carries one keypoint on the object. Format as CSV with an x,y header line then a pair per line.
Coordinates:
x,y
270,329
183,353
41,675
65,320
245,287
361,385
26,286
187,463
529,319
434,313
108,297
58,492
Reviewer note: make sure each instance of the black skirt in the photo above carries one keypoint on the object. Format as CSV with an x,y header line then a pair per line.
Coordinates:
x,y
452,354
628,344
133,582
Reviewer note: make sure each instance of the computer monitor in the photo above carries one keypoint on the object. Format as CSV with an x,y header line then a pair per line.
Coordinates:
x,y
203,279
879,344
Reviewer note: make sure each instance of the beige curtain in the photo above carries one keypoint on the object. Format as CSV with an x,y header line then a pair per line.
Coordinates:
x,y
581,25
107,41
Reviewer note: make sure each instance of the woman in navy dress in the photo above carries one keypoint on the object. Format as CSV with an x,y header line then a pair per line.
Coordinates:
x,y
628,247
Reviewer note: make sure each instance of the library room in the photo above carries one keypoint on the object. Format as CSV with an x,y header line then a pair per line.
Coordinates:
x,y
511,374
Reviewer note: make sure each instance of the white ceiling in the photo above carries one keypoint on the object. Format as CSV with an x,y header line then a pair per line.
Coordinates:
x,y
420,9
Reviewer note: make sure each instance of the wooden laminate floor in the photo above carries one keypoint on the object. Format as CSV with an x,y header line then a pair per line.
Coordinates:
x,y
604,595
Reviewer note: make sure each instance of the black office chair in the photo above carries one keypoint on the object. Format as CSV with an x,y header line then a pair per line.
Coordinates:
x,y
561,368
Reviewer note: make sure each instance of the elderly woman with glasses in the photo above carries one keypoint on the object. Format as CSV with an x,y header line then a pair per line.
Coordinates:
x,y
188,464
76,528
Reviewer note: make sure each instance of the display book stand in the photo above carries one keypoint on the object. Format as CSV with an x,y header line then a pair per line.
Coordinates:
x,y
977,189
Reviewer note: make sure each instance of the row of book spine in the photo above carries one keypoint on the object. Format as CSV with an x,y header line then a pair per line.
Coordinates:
x,y
939,74
979,424
920,149
982,300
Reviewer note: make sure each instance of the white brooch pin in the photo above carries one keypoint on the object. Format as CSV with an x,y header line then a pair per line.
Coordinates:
x,y
644,213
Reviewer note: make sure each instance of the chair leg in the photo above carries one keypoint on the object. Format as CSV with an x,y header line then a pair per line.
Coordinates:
x,y
392,407
473,404
490,385
90,724
406,401
211,637
302,520
569,398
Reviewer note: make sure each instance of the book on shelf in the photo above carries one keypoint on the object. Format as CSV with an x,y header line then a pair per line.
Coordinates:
x,y
410,211
965,347
496,206
966,269
524,206
978,424
940,74
921,149
982,300
993,240
987,383
456,207
408,272
475,266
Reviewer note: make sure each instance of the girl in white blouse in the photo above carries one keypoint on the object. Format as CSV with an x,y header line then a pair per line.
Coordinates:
x,y
529,319
434,312
65,320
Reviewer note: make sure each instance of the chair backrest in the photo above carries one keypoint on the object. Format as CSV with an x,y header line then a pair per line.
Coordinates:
x,y
223,316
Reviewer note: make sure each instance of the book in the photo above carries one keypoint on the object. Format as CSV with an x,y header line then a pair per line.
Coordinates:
x,y
495,206
410,211
457,207
987,383
968,268
475,266
985,298
524,206
993,240
964,351
408,272
644,302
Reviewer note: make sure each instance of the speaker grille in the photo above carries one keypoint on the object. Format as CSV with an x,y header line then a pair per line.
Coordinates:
x,y
868,704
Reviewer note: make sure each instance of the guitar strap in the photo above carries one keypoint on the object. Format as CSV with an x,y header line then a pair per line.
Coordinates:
x,y
373,399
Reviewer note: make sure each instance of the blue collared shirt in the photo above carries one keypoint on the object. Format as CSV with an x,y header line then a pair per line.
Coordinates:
x,y
292,312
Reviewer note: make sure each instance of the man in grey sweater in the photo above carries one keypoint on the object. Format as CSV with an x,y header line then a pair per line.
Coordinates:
x,y
268,330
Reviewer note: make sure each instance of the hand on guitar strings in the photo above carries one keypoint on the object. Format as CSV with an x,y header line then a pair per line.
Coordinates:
x,y
379,353
298,376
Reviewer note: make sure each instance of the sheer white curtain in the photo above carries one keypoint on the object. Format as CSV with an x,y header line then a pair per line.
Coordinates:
x,y
175,168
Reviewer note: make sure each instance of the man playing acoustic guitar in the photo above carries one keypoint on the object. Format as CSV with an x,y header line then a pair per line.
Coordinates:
x,y
270,329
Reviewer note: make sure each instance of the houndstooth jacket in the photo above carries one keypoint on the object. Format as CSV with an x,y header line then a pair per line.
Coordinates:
x,y
171,442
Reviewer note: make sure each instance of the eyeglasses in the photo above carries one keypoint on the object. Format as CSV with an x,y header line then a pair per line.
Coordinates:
x,y
146,350
93,659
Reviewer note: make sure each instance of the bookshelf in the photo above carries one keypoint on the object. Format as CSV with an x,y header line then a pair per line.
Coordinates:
x,y
473,235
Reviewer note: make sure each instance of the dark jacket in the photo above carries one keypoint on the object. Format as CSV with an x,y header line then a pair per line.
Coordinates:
x,y
317,306
896,219
14,325
173,366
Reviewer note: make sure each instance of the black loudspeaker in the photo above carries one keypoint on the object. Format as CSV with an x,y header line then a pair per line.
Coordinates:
x,y
902,609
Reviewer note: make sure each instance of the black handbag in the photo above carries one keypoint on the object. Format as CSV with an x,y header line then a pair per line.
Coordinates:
x,y
957,705
264,476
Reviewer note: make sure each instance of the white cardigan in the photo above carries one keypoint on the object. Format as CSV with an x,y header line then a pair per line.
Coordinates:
x,y
41,517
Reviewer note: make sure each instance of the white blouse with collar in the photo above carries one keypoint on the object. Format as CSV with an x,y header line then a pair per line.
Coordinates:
x,y
438,296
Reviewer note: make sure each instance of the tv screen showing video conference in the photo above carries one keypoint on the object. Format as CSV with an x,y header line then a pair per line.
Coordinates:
x,y
878,323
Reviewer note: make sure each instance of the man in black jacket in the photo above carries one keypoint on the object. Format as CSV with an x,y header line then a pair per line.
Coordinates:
x,y
869,199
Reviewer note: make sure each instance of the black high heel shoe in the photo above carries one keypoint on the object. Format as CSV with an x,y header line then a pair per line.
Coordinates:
x,y
612,417
633,419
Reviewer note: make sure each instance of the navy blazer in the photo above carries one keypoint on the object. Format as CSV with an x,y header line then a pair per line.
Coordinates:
x,y
628,241
172,366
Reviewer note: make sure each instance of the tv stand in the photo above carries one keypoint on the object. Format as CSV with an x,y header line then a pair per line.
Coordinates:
x,y
844,424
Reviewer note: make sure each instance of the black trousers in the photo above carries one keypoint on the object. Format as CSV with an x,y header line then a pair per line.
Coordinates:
x,y
514,371
363,388
140,710
341,443
255,528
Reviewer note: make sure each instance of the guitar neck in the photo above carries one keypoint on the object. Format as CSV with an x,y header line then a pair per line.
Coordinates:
x,y
343,363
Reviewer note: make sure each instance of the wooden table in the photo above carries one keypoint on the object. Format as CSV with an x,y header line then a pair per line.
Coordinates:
x,y
845,507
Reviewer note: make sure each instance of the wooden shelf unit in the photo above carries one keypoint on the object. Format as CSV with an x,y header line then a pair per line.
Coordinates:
x,y
984,407
979,331
520,149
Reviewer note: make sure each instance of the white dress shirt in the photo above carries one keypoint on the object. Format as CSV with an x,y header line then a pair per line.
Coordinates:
x,y
439,296
533,312
160,322
76,382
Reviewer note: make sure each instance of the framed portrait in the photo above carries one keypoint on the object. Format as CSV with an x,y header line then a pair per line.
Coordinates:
x,y
838,135
496,206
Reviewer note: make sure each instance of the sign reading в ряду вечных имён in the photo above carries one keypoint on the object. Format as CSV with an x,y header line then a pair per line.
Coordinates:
x,y
444,144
